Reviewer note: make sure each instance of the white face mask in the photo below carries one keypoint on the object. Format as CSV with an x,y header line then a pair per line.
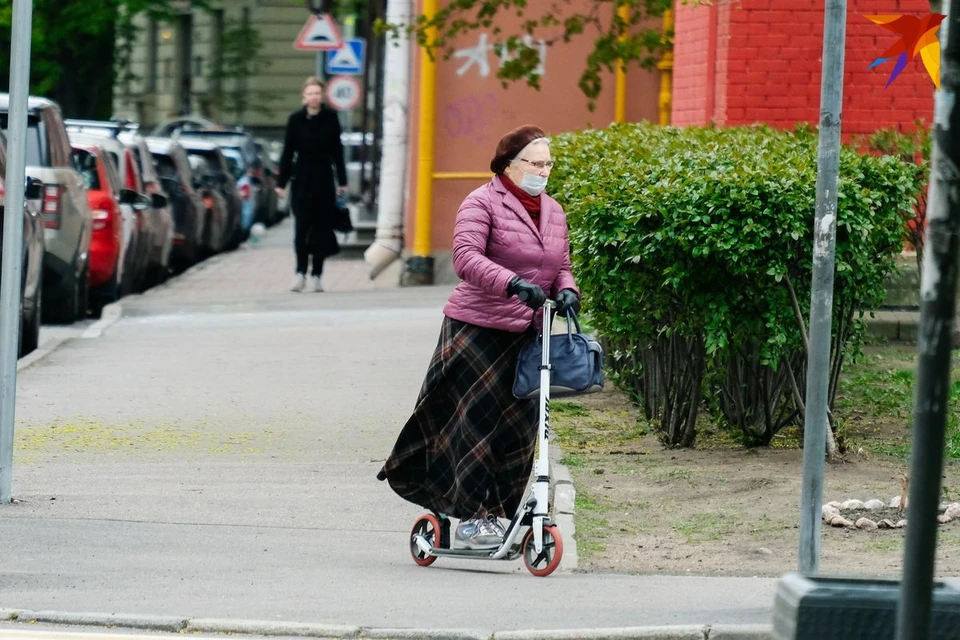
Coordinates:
x,y
533,184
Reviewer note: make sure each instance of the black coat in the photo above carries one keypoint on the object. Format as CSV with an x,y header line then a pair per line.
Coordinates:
x,y
311,148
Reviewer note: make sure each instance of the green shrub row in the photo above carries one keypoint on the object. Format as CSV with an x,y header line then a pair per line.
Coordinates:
x,y
693,247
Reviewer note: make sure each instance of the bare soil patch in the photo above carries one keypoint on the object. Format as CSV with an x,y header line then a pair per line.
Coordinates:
x,y
723,509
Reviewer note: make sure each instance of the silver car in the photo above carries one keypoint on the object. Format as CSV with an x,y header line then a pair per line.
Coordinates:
x,y
67,219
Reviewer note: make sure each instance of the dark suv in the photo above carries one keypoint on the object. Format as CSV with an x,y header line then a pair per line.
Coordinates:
x,y
67,219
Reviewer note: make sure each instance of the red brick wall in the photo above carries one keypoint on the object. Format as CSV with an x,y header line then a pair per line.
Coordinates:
x,y
691,60
766,63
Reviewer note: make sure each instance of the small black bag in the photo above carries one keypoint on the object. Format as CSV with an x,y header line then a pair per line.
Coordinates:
x,y
576,358
341,218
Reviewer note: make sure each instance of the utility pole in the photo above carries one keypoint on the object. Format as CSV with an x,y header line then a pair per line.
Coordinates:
x,y
821,295
13,236
938,286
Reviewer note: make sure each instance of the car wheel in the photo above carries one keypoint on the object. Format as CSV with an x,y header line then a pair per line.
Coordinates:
x,y
65,309
30,329
83,303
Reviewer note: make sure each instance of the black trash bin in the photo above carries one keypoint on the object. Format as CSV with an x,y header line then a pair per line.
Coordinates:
x,y
834,608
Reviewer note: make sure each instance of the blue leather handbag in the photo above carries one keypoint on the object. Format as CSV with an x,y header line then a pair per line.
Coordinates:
x,y
576,359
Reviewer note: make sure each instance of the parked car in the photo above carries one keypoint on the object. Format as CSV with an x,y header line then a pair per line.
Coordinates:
x,y
67,219
31,273
268,210
189,215
97,159
156,227
160,218
109,128
220,178
240,152
182,123
115,243
218,214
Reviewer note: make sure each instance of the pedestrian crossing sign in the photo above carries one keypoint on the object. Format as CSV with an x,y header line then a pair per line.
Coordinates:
x,y
348,59
319,34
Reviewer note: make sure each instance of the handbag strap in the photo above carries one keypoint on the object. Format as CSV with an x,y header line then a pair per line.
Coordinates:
x,y
570,315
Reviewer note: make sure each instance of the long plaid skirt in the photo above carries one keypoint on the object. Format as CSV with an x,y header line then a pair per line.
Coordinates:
x,y
469,444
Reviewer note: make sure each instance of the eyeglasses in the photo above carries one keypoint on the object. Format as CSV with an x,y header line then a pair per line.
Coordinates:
x,y
540,164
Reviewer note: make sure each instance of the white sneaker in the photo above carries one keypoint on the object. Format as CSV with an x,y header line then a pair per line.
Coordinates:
x,y
299,283
315,285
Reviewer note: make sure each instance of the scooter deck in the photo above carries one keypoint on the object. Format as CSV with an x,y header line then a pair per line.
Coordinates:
x,y
485,552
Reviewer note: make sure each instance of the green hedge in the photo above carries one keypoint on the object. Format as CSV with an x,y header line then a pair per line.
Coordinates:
x,y
687,244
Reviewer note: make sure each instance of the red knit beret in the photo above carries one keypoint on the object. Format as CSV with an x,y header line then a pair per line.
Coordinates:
x,y
513,143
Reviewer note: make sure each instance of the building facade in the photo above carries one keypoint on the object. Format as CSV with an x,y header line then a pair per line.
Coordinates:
x,y
473,110
174,65
749,61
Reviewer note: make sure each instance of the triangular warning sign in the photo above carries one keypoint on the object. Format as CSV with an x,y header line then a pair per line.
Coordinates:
x,y
344,57
319,34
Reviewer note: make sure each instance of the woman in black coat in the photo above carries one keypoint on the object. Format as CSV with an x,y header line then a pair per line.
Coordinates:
x,y
313,134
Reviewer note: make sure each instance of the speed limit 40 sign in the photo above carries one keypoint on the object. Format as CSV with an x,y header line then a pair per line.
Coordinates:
x,y
343,92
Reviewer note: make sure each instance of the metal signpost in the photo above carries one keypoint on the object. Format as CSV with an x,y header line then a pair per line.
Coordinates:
x,y
13,236
938,292
821,295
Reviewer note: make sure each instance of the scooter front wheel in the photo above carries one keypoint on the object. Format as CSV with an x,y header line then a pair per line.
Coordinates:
x,y
428,528
546,562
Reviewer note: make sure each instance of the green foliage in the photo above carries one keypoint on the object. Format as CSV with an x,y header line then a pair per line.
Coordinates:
x,y
911,146
75,58
691,245
617,39
239,60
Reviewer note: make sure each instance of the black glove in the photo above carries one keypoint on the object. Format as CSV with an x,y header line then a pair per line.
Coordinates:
x,y
567,300
530,294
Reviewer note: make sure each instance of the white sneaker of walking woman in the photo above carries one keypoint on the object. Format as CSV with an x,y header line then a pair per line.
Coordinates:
x,y
299,283
314,285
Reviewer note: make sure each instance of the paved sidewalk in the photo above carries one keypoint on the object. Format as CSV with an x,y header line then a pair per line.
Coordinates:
x,y
212,455
266,268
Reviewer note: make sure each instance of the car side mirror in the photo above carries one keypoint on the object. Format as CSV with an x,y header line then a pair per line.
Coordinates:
x,y
128,196
158,201
34,190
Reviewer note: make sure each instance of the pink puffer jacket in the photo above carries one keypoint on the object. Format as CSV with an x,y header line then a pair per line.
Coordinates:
x,y
494,240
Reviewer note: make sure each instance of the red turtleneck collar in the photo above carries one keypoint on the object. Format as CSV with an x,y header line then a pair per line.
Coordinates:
x,y
529,202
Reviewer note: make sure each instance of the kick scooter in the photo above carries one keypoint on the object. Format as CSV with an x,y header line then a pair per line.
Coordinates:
x,y
541,545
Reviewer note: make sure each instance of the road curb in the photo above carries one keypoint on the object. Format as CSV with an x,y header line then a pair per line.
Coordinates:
x,y
271,628
110,315
40,353
685,632
130,621
563,497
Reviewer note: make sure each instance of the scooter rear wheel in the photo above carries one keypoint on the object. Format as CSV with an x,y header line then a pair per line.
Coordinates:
x,y
547,561
428,527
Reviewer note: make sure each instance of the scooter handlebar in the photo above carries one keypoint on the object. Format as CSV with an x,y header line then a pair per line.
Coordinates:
x,y
523,296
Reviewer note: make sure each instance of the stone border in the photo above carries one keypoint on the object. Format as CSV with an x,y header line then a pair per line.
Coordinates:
x,y
832,516
181,625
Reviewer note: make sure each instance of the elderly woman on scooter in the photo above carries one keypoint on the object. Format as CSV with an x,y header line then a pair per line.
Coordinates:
x,y
468,448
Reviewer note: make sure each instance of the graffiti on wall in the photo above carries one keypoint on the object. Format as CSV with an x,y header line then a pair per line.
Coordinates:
x,y
479,56
470,116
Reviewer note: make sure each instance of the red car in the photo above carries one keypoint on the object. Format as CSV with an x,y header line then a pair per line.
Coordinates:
x,y
113,233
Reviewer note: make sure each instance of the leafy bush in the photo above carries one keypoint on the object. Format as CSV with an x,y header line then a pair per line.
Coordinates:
x,y
694,251
912,146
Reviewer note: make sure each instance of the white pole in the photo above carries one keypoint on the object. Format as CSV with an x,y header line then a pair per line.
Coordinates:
x,y
393,162
13,236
